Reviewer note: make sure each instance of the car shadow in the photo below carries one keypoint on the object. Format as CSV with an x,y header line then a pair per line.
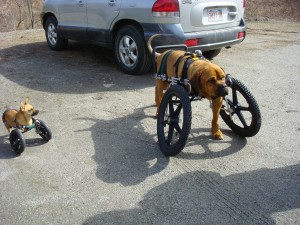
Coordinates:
x,y
81,68
205,197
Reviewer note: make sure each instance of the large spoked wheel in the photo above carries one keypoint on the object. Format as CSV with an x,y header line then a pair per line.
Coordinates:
x,y
130,49
43,130
55,42
17,141
174,120
242,114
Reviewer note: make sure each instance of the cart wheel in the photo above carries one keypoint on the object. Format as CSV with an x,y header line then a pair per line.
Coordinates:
x,y
172,128
43,130
245,119
17,141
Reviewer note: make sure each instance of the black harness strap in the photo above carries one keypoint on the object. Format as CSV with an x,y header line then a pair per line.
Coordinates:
x,y
163,65
185,68
177,65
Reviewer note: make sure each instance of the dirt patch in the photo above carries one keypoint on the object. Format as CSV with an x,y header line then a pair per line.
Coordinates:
x,y
264,10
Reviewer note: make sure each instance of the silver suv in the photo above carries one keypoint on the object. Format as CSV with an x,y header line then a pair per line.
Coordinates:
x,y
126,25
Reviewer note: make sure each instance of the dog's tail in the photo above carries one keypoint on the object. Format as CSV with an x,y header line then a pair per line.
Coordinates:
x,y
150,47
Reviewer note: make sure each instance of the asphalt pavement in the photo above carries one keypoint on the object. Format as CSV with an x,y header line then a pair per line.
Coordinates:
x,y
103,164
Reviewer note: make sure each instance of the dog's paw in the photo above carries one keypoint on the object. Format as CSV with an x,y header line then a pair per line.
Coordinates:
x,y
218,135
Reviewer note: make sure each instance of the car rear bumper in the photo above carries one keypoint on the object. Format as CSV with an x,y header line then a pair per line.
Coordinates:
x,y
172,34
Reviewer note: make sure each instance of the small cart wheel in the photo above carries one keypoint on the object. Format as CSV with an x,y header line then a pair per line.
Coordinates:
x,y
243,114
174,120
43,130
17,141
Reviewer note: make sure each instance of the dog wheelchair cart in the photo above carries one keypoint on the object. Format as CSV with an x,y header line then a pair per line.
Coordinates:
x,y
239,111
16,137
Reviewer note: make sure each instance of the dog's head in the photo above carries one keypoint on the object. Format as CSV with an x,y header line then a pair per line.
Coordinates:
x,y
27,109
209,81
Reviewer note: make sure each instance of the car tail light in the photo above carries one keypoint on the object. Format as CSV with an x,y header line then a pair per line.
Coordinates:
x,y
241,35
191,42
166,8
244,3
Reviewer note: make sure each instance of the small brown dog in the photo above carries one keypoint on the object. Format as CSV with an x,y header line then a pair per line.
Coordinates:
x,y
13,118
206,79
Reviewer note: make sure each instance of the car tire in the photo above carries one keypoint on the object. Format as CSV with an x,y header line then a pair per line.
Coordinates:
x,y
131,51
54,40
211,54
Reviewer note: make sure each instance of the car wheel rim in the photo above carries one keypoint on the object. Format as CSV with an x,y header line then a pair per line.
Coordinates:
x,y
128,51
52,34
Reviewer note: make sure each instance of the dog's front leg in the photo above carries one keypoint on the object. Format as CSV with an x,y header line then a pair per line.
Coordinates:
x,y
216,106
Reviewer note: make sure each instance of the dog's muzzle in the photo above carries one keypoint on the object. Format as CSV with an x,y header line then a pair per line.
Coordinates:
x,y
35,113
222,90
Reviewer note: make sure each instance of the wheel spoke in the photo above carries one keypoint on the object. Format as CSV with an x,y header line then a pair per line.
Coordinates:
x,y
170,134
133,57
242,119
126,42
177,128
127,59
171,107
122,49
177,111
243,108
133,47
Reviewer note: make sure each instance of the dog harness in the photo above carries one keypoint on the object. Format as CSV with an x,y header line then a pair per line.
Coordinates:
x,y
188,58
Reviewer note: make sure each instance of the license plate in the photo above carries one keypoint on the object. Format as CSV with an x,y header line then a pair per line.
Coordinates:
x,y
215,15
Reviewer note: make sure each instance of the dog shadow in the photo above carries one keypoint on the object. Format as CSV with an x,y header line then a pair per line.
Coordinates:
x,y
124,148
127,151
232,142
6,152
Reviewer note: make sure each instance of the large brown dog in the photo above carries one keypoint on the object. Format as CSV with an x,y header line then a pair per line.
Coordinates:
x,y
206,79
13,118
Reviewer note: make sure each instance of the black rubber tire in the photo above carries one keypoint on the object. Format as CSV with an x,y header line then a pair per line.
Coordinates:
x,y
246,117
43,130
17,141
211,54
54,40
175,100
131,51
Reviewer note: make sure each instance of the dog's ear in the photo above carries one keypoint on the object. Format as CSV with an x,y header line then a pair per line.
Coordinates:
x,y
196,83
27,100
22,107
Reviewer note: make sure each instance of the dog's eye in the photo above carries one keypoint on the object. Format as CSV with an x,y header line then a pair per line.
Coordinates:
x,y
211,80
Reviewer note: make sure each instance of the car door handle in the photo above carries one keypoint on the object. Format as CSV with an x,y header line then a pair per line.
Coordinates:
x,y
232,13
80,3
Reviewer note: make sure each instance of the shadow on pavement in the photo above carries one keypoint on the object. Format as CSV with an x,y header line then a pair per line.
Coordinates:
x,y
205,197
199,137
125,153
80,69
